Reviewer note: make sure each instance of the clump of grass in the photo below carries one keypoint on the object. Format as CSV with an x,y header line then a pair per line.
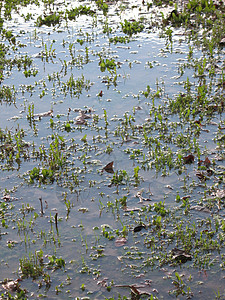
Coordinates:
x,y
81,10
131,28
108,64
102,6
32,266
119,39
49,20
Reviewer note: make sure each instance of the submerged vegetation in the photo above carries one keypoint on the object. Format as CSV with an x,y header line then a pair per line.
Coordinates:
x,y
112,149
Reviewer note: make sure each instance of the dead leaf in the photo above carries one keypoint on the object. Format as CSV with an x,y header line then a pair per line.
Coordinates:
x,y
207,162
201,176
180,255
189,159
210,172
100,94
120,241
109,167
139,227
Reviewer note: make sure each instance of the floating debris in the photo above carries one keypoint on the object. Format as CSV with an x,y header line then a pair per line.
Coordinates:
x,y
139,227
189,159
180,255
109,168
100,94
201,176
205,162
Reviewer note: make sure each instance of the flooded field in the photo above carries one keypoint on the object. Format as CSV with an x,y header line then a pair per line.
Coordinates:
x,y
112,149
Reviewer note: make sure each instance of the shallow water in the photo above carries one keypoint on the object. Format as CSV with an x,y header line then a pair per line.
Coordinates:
x,y
84,195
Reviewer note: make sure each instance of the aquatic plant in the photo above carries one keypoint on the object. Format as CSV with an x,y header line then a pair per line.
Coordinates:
x,y
49,20
131,28
80,10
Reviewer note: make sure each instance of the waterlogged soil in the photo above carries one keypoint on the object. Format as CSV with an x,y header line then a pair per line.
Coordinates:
x,y
112,139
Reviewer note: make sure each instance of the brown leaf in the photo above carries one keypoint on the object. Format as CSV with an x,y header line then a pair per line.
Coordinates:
x,y
189,159
210,172
201,176
207,162
109,167
100,94
139,227
180,255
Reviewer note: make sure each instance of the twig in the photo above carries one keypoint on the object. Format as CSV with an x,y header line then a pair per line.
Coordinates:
x,y
56,223
42,212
